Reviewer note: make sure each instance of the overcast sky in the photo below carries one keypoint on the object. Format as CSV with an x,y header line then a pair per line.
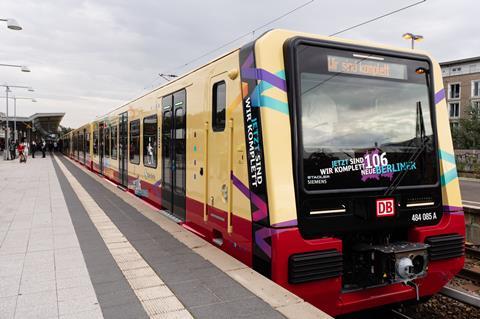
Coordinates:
x,y
88,57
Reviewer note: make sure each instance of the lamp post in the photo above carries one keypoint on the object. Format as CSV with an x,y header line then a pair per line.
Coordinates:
x,y
6,153
24,68
412,37
12,24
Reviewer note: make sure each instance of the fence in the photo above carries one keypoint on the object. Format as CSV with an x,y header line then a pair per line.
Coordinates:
x,y
468,163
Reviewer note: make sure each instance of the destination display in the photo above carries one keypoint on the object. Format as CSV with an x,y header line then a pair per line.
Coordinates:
x,y
339,64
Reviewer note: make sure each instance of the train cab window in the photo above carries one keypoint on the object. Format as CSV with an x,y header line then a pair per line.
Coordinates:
x,y
107,142
219,104
135,142
114,141
150,141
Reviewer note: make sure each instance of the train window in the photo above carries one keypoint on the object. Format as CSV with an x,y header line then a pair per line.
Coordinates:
x,y
114,141
95,140
135,142
150,141
219,102
107,142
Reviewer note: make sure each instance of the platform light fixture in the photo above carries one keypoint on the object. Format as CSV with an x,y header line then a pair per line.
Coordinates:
x,y
412,37
24,68
12,24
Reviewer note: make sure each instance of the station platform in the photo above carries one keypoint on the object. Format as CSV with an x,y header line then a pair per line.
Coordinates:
x,y
73,245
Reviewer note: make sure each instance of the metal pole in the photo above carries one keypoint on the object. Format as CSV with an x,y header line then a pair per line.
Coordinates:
x,y
7,131
15,133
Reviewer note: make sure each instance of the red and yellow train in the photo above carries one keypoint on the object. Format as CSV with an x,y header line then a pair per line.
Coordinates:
x,y
325,164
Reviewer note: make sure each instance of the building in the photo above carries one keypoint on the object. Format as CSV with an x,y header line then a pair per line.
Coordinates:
x,y
35,127
461,79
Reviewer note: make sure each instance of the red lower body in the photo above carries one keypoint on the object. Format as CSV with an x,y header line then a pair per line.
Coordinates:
x,y
325,294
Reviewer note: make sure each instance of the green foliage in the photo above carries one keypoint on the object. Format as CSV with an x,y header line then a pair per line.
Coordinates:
x,y
64,130
467,135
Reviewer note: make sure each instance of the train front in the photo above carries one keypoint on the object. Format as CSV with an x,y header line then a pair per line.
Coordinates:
x,y
374,186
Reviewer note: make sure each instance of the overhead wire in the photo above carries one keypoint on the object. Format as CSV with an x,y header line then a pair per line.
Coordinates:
x,y
283,16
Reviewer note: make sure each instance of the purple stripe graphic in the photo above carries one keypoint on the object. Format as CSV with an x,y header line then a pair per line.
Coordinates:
x,y
288,223
264,233
248,62
264,75
440,95
259,214
452,209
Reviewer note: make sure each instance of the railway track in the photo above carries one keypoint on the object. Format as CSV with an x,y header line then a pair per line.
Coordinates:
x,y
399,315
469,274
472,252
461,296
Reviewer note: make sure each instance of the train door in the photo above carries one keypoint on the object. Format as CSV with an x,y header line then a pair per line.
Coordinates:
x,y
77,146
84,146
174,153
101,143
123,145
218,170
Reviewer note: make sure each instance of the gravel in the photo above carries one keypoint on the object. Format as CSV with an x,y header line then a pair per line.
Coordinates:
x,y
442,307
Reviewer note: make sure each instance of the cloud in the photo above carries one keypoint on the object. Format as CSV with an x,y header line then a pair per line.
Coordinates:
x,y
89,56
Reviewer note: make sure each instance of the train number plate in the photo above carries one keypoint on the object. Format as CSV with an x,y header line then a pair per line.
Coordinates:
x,y
385,207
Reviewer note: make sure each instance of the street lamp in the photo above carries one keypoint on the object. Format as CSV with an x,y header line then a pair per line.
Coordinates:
x,y
24,68
12,24
6,153
412,37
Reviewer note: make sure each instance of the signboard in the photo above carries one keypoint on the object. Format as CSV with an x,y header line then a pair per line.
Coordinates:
x,y
366,67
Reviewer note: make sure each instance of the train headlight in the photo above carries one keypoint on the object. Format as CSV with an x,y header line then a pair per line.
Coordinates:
x,y
404,268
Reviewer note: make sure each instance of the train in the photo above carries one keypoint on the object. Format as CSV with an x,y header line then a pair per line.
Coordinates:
x,y
323,163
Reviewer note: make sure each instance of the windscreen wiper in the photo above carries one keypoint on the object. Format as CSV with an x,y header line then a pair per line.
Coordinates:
x,y
396,182
420,132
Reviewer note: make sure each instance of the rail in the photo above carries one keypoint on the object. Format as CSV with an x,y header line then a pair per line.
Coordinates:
x,y
461,296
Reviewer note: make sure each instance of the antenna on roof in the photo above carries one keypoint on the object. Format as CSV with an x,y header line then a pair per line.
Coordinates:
x,y
167,77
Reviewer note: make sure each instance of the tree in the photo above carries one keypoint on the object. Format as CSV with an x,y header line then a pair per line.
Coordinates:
x,y
63,129
467,134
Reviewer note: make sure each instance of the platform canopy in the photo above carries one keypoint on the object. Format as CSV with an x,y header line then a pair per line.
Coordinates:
x,y
46,123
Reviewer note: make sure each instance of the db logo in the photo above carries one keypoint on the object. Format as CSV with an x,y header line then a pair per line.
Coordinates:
x,y
385,207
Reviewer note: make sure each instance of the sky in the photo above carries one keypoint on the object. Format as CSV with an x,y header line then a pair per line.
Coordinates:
x,y
90,56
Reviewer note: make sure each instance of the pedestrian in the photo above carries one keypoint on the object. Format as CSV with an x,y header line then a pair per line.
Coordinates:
x,y
13,147
21,152
33,147
44,148
55,146
26,147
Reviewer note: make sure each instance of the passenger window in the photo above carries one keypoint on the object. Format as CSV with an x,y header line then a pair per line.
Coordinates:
x,y
95,140
219,105
150,141
114,141
107,142
135,142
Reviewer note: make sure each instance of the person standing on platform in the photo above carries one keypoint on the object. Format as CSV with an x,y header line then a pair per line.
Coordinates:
x,y
33,147
44,148
12,149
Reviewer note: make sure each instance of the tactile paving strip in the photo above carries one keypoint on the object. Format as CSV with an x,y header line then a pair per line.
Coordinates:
x,y
156,298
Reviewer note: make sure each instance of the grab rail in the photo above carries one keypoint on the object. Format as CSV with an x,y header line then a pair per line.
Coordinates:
x,y
205,171
230,170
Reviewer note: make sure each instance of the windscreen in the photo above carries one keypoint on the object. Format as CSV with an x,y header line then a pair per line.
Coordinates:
x,y
364,119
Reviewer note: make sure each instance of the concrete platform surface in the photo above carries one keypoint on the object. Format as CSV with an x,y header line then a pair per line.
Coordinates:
x,y
72,245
